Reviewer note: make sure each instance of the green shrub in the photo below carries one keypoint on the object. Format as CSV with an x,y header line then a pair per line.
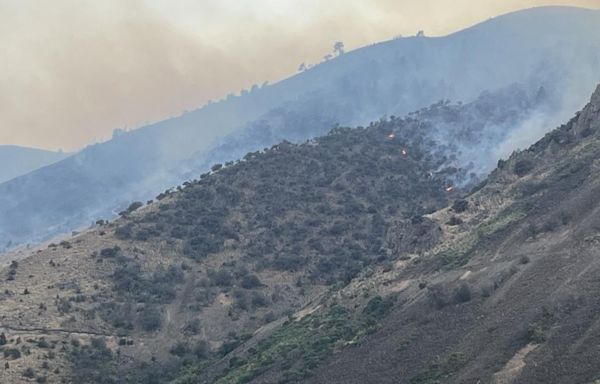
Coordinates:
x,y
454,220
463,293
259,300
460,206
221,278
110,252
93,364
150,319
180,349
250,281
202,349
124,232
192,327
132,208
523,167
29,373
378,307
11,354
536,334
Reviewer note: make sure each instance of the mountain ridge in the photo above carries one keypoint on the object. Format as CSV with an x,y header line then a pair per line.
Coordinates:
x,y
357,87
22,160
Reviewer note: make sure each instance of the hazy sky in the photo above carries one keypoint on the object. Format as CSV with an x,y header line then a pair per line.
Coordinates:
x,y
73,70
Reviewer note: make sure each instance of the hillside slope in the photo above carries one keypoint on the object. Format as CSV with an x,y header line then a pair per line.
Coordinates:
x,y
17,161
186,279
393,77
508,293
347,259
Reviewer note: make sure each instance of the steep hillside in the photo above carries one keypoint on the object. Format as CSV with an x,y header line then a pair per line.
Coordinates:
x,y
351,258
17,161
506,293
552,47
188,278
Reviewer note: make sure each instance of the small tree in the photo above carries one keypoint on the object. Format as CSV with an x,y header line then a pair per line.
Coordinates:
x,y
250,281
150,319
454,221
110,252
179,349
134,206
29,373
462,294
460,206
259,300
523,167
338,48
202,349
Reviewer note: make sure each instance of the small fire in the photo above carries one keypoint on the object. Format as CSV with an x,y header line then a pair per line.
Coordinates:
x,y
450,189
404,153
391,136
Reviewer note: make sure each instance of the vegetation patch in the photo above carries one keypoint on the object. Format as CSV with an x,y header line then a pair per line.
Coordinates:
x,y
460,252
440,370
299,346
321,209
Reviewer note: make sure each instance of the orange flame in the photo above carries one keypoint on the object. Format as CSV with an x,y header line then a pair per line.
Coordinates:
x,y
450,189
404,153
391,136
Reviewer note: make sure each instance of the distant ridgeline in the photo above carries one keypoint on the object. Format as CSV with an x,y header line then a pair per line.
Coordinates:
x,y
534,48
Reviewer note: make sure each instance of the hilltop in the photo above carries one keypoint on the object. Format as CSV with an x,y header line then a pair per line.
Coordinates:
x,y
18,161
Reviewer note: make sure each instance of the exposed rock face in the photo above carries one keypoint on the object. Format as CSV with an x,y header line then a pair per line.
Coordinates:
x,y
588,120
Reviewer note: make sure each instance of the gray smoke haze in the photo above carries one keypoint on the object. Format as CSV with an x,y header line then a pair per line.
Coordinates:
x,y
552,53
73,70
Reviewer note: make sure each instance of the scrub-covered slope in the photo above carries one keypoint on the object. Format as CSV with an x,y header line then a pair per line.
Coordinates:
x,y
188,278
508,294
350,258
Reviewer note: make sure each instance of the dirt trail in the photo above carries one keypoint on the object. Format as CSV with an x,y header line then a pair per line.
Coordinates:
x,y
515,365
12,329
